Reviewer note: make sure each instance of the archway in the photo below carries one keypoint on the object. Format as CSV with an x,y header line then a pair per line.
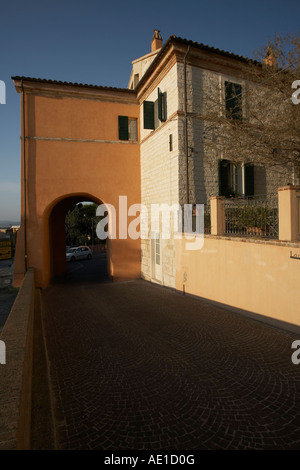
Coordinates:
x,y
57,236
46,240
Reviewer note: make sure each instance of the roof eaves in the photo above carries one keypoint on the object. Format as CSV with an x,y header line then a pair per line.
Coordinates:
x,y
215,50
81,85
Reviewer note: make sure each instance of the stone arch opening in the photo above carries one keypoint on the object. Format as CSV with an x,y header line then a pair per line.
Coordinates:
x,y
55,217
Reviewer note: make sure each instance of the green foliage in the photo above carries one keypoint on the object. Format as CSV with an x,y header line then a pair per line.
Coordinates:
x,y
252,220
80,225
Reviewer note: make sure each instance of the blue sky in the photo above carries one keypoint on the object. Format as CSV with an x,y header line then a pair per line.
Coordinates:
x,y
94,41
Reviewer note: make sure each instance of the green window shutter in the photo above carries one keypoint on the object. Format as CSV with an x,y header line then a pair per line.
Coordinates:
x,y
249,180
224,189
162,108
233,101
159,104
148,114
123,128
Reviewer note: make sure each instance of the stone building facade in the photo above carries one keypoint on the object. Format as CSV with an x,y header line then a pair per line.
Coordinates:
x,y
182,92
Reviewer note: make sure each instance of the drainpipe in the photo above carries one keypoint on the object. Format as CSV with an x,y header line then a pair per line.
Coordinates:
x,y
186,129
24,177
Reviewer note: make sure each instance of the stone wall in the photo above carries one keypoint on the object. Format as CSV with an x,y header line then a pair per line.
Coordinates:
x,y
205,95
159,175
16,373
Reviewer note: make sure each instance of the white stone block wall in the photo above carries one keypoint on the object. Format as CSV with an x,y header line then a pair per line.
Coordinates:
x,y
159,185
168,84
140,66
159,175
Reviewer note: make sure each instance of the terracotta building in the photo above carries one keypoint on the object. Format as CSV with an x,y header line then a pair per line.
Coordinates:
x,y
88,142
71,151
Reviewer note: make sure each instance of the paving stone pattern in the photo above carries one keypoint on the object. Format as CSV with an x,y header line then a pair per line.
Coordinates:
x,y
137,366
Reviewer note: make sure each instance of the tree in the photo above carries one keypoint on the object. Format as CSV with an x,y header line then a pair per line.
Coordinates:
x,y
73,233
267,131
80,224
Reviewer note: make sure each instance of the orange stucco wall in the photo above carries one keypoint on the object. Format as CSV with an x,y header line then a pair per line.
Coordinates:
x,y
72,151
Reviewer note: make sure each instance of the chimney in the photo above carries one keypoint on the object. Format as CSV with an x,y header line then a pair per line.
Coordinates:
x,y
156,42
270,58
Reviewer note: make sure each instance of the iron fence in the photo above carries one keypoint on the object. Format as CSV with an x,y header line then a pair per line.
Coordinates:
x,y
252,218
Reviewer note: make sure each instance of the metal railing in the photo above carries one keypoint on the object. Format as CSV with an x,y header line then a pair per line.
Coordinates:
x,y
252,218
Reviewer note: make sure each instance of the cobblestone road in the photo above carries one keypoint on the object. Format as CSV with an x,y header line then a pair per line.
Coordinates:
x,y
137,366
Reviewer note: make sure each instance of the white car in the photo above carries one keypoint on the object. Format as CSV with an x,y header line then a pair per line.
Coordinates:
x,y
78,252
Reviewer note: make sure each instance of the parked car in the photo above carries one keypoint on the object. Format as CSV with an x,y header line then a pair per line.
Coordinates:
x,y
78,252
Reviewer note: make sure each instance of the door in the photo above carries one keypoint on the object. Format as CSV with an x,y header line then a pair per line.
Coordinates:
x,y
156,256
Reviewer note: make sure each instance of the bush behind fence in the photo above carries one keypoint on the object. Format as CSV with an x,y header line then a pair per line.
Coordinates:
x,y
252,218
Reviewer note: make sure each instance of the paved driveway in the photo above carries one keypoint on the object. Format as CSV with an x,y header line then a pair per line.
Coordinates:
x,y
138,366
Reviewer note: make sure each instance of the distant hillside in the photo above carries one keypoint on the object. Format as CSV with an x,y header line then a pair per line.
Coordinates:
x,y
8,223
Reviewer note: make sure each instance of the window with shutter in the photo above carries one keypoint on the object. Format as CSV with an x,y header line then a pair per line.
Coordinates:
x,y
235,180
148,114
233,101
123,128
127,128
